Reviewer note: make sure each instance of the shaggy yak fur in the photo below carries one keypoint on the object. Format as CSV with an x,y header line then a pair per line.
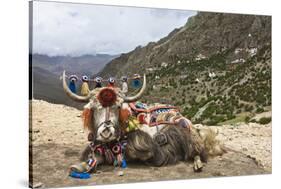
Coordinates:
x,y
182,145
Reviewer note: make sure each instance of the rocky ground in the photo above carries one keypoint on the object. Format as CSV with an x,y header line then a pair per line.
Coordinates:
x,y
57,138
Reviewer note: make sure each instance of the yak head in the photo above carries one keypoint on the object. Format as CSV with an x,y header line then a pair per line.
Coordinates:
x,y
105,109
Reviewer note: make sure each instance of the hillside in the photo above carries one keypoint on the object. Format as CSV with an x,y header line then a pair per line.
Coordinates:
x,y
57,138
216,68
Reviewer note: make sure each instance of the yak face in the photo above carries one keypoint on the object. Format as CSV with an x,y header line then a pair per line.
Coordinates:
x,y
105,123
101,113
104,117
107,130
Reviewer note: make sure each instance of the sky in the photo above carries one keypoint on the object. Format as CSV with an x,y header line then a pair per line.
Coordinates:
x,y
79,29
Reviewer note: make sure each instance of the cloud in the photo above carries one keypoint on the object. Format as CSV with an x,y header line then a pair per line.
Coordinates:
x,y
77,29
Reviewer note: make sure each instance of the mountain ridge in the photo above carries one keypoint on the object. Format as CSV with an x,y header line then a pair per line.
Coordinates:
x,y
81,65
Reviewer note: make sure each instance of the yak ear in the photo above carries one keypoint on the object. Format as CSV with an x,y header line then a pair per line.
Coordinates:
x,y
124,115
87,117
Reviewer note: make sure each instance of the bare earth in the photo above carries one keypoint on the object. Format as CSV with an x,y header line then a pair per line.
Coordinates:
x,y
58,137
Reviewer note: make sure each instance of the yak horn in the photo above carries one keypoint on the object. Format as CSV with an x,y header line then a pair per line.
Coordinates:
x,y
137,96
71,94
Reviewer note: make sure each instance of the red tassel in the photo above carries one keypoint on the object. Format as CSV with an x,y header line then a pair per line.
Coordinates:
x,y
87,116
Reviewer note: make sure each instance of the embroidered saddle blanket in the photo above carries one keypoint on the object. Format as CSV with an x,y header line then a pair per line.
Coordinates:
x,y
157,114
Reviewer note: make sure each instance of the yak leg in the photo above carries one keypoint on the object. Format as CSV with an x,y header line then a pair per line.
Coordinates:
x,y
99,160
87,156
198,151
86,153
197,164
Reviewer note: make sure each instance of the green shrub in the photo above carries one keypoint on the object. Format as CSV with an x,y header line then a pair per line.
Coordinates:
x,y
211,122
247,119
259,110
249,108
253,121
265,120
230,116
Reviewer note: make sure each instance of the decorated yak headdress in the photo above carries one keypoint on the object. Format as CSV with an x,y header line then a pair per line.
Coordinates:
x,y
105,96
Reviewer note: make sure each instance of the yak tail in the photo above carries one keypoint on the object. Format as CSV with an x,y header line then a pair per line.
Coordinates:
x,y
212,144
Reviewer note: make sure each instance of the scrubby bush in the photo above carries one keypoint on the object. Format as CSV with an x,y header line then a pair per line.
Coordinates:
x,y
265,120
249,108
259,110
247,119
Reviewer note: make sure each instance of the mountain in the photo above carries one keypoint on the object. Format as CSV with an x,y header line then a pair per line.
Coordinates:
x,y
46,72
217,67
85,64
47,86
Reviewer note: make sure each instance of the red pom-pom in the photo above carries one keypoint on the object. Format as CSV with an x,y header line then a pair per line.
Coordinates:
x,y
107,97
141,118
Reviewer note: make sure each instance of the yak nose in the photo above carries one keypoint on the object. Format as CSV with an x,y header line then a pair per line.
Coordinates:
x,y
107,124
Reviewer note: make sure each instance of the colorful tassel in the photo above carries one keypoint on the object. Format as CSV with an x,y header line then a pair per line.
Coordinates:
x,y
72,87
85,89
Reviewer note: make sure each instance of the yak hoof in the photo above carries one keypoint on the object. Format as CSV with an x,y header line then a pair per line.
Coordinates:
x,y
198,165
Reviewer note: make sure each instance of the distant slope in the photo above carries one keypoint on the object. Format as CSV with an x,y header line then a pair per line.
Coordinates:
x,y
47,86
47,70
86,64
235,48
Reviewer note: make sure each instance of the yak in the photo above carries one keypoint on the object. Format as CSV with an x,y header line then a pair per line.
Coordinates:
x,y
107,114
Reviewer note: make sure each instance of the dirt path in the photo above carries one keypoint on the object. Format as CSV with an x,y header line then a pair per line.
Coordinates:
x,y
58,138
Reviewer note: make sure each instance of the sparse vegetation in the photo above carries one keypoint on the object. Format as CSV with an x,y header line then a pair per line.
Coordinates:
x,y
265,120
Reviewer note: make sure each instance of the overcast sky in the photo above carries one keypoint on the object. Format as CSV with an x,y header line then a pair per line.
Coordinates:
x,y
78,29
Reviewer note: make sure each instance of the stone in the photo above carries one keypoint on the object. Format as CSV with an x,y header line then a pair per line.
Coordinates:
x,y
38,185
120,173
36,131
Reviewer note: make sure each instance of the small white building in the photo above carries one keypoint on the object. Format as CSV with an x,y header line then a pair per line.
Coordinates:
x,y
150,69
183,76
164,64
238,50
200,57
212,74
252,51
239,60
